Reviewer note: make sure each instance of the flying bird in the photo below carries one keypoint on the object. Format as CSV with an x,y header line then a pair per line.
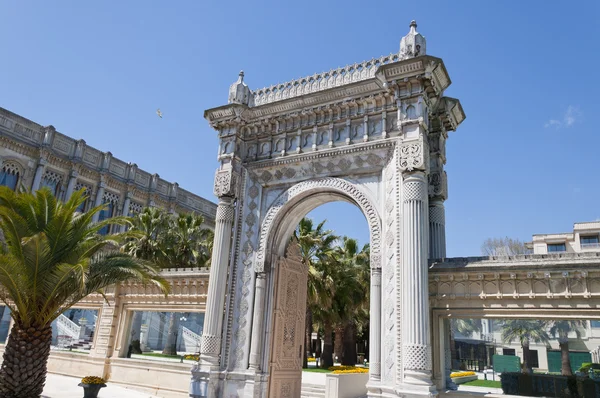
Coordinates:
x,y
159,113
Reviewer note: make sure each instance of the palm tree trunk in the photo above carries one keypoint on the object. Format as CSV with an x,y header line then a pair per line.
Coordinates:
x,y
526,362
23,371
307,337
565,361
171,344
349,352
338,342
327,355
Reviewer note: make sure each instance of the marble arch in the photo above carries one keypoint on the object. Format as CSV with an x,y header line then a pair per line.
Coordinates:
x,y
371,133
330,188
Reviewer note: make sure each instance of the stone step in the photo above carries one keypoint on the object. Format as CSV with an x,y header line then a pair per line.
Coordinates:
x,y
312,391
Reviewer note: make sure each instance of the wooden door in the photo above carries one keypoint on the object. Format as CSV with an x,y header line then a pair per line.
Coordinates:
x,y
288,325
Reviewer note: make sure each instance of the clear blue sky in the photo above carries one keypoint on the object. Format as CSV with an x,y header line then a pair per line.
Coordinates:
x,y
526,160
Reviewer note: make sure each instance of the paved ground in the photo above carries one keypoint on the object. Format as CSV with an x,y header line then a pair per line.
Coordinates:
x,y
66,387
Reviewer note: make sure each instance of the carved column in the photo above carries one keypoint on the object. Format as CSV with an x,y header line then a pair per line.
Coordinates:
x,y
375,326
210,349
437,229
99,198
256,345
71,184
416,338
415,335
39,172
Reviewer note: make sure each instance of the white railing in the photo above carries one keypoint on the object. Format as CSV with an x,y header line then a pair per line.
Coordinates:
x,y
594,245
66,326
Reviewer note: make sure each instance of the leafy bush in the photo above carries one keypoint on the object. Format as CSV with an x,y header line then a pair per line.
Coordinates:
x,y
192,357
586,366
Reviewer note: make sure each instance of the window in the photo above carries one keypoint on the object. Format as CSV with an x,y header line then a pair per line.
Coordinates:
x,y
51,180
74,330
4,323
509,351
533,357
9,176
107,212
556,247
595,324
589,241
86,193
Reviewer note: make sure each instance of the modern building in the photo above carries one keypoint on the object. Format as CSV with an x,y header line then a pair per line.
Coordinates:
x,y
33,156
584,238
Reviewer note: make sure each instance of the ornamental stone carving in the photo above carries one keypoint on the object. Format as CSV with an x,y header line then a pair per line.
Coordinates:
x,y
413,155
438,184
225,183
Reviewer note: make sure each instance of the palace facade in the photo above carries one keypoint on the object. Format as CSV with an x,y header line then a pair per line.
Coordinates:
x,y
33,156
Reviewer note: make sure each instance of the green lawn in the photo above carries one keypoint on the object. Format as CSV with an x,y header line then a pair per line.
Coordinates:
x,y
483,383
316,370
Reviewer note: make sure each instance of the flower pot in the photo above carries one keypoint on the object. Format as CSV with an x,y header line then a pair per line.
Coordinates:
x,y
91,390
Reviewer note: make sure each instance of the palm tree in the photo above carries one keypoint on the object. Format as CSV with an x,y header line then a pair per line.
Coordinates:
x,y
185,246
465,327
525,332
562,330
52,258
352,295
316,246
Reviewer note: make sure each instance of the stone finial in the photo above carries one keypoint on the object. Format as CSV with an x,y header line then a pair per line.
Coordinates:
x,y
413,44
239,93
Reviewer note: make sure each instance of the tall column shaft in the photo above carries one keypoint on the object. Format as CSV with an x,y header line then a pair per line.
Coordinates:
x,y
375,325
437,229
71,184
37,178
256,345
98,201
416,337
210,348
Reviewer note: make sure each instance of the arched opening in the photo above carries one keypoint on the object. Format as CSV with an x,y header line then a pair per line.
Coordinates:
x,y
287,278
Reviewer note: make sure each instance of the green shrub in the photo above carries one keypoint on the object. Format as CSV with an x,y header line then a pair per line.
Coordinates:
x,y
586,366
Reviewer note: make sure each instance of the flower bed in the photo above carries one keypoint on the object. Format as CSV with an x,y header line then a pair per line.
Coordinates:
x,y
463,377
347,369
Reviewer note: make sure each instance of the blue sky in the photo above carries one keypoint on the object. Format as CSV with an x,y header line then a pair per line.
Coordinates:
x,y
524,161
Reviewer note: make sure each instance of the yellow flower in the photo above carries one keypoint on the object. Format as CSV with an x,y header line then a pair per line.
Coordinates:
x,y
92,380
461,374
347,369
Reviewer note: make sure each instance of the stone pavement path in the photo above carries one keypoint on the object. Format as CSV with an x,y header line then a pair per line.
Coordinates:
x,y
58,386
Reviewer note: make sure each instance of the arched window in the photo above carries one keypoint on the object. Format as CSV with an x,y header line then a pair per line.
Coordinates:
x,y
112,201
9,175
52,181
87,192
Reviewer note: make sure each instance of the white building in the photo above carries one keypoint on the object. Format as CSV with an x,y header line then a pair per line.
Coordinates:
x,y
584,238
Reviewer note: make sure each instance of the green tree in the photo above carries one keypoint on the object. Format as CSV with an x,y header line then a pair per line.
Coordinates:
x,y
525,332
351,298
561,329
185,243
316,247
52,258
145,235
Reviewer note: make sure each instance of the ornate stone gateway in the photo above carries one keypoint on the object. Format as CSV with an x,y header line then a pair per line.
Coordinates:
x,y
372,134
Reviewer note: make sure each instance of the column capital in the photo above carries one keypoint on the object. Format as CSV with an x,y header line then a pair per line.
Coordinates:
x,y
414,155
226,182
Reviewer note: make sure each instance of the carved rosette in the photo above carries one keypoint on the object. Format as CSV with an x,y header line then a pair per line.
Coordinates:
x,y
413,156
226,182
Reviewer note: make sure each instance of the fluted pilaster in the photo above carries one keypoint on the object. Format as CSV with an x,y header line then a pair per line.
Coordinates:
x,y
375,325
210,348
256,345
416,338
437,229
